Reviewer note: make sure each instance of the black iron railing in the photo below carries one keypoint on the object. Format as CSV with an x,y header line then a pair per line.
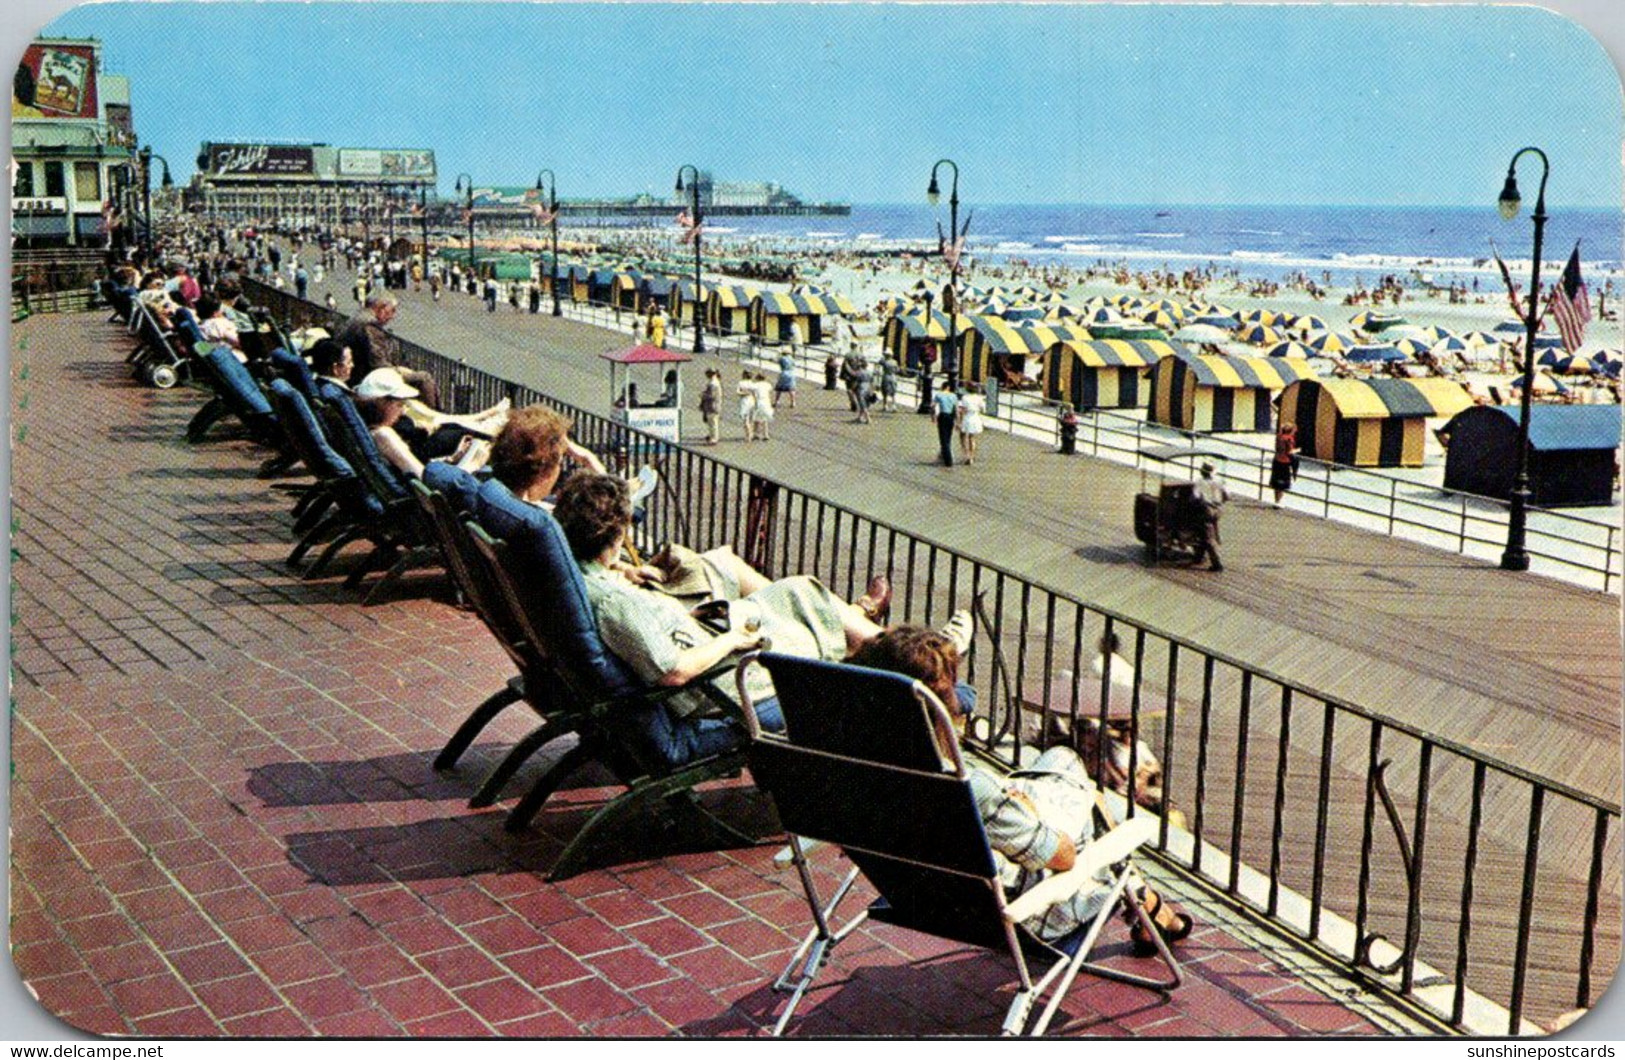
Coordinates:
x,y
1480,890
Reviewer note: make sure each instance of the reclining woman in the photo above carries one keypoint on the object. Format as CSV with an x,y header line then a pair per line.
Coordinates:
x,y
663,642
383,400
1037,819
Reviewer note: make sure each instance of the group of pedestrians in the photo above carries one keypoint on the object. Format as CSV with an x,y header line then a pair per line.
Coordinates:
x,y
958,412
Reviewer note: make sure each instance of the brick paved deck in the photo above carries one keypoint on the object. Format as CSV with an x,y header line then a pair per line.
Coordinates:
x,y
224,820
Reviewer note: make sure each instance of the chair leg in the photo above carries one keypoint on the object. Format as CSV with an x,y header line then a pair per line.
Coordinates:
x,y
617,808
310,508
688,804
354,533
412,558
463,738
312,536
525,810
380,556
212,410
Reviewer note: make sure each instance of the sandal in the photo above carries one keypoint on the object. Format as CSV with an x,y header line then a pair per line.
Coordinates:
x,y
1172,924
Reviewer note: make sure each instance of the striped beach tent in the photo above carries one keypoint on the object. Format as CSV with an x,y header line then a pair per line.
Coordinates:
x,y
1214,392
1102,373
601,284
654,290
572,281
986,349
624,289
1369,422
905,335
727,309
777,317
684,300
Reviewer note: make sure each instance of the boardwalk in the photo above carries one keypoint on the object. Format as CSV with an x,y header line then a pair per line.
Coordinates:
x,y
224,821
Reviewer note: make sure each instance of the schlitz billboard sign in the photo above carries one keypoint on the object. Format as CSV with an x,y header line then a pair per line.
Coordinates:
x,y
259,160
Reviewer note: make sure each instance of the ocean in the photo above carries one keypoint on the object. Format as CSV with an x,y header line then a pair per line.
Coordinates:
x,y
1443,244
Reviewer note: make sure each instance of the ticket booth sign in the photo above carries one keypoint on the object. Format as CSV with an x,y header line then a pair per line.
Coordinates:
x,y
663,423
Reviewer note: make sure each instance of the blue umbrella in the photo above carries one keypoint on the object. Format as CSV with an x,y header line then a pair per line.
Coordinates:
x,y
1216,320
1374,354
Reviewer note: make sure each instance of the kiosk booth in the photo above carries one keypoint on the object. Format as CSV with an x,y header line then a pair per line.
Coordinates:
x,y
1573,450
655,407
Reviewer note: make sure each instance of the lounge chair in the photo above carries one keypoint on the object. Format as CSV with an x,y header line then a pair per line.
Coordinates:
x,y
869,763
613,710
234,392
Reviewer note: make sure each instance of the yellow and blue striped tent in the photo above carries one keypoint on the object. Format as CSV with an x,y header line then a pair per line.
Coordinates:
x,y
1102,373
1213,392
906,334
654,290
993,338
601,284
775,317
684,299
727,309
573,282
624,290
1369,422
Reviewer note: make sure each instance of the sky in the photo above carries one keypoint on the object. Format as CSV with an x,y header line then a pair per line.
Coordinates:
x,y
1036,104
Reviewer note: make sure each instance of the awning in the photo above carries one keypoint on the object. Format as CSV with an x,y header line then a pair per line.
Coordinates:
x,y
646,354
1003,337
1268,373
735,297
1360,399
1121,353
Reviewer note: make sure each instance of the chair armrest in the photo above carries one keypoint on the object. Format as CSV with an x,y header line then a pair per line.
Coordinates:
x,y
660,693
1109,849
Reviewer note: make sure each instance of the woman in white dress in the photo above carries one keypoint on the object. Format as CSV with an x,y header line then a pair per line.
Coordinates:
x,y
763,388
971,408
747,405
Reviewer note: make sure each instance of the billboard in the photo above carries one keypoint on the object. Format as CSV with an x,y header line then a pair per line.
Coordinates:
x,y
258,160
55,81
386,165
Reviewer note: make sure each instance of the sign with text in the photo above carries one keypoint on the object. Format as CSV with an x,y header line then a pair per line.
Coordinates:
x,y
55,81
385,165
260,160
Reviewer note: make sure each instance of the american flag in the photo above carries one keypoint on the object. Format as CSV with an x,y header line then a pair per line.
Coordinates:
x,y
543,215
691,227
1570,304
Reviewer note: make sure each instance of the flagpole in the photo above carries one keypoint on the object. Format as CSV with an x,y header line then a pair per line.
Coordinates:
x,y
1516,557
694,185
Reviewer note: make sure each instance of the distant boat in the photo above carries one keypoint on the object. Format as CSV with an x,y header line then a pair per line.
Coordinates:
x,y
1163,213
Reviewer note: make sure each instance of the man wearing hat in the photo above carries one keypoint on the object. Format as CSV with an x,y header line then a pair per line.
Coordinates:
x,y
1211,495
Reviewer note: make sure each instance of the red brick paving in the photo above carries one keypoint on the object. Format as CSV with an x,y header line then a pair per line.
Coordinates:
x,y
225,822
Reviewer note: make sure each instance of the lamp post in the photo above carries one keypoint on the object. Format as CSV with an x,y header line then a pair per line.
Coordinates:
x,y
1515,557
423,214
694,185
464,181
950,352
553,209
146,193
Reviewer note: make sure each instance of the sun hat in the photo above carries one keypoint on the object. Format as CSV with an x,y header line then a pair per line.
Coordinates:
x,y
385,383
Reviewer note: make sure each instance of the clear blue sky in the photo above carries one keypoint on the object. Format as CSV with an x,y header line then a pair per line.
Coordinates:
x,y
1381,105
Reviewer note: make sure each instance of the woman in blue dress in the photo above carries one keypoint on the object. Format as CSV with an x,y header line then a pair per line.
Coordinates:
x,y
786,384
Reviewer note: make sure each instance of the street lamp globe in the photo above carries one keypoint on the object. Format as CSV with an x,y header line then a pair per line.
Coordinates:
x,y
1509,201
933,194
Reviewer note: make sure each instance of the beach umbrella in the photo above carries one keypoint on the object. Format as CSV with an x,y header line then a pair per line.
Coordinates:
x,y
1200,333
1481,338
1289,349
1329,342
893,304
1104,315
1169,306
1544,384
1608,362
994,307
1308,323
1285,321
1160,318
1218,320
1214,309
1097,302
1061,312
1373,321
1259,335
1407,331
1373,354
1412,347
1514,329
1258,316
1055,298
1029,293
1437,334
1449,346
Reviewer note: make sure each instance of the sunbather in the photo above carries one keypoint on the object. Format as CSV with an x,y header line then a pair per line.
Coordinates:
x,y
1037,819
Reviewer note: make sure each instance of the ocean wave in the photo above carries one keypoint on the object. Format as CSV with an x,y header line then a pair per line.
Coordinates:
x,y
825,235
1070,239
1159,235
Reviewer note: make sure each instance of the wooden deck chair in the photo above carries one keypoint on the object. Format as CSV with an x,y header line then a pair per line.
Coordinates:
x,y
235,393
614,712
339,503
868,762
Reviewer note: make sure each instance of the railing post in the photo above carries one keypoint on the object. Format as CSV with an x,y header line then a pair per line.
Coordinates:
x,y
1393,503
1461,542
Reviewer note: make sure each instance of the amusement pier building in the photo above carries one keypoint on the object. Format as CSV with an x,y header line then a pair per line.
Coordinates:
x,y
303,184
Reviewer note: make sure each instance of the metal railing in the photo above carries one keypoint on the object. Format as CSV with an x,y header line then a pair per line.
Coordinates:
x,y
1341,826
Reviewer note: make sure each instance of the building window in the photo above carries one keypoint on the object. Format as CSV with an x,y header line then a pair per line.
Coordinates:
x,y
55,180
87,182
23,186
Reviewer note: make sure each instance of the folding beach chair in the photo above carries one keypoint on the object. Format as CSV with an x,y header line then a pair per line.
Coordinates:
x,y
338,508
615,713
869,763
234,393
